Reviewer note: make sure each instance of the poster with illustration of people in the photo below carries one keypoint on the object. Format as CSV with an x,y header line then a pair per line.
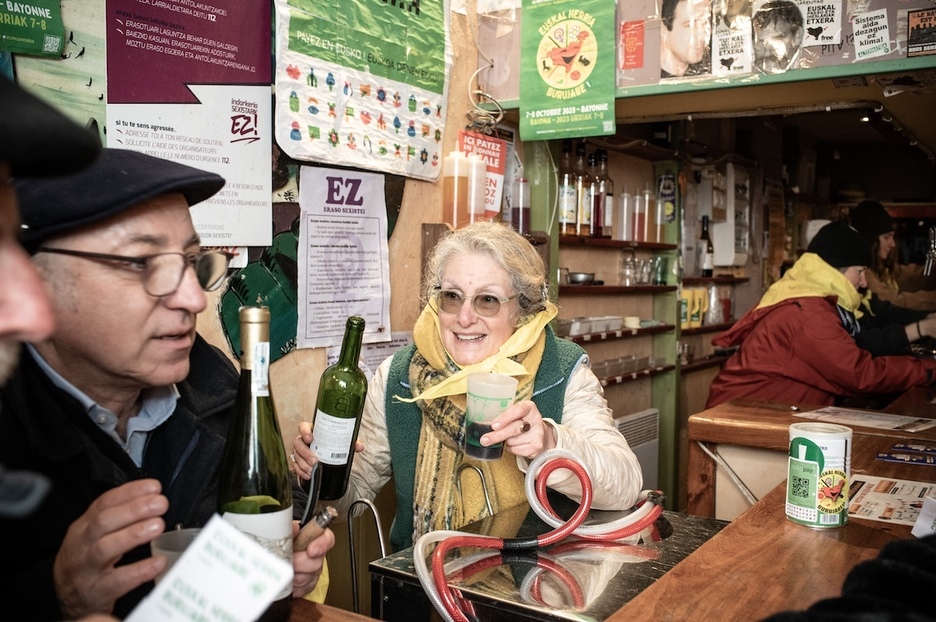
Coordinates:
x,y
685,38
732,52
363,84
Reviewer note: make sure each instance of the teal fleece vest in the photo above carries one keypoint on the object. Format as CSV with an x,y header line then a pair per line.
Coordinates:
x,y
404,420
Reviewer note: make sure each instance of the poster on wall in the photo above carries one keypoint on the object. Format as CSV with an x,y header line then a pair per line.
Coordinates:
x,y
32,28
685,39
207,106
921,25
732,50
567,65
363,84
822,21
344,266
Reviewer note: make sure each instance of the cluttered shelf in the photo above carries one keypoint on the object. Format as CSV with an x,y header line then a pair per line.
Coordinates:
x,y
577,240
622,333
607,381
716,280
611,290
715,360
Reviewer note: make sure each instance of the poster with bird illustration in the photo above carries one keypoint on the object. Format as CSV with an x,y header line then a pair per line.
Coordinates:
x,y
567,69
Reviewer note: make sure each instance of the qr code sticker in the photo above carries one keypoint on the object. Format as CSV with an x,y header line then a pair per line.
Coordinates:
x,y
51,43
799,487
608,126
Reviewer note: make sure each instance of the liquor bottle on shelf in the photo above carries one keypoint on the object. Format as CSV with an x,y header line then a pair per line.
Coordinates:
x,y
596,189
706,250
520,217
254,491
624,215
606,186
583,191
568,207
338,409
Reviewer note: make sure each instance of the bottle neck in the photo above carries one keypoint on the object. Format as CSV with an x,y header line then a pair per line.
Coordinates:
x,y
351,345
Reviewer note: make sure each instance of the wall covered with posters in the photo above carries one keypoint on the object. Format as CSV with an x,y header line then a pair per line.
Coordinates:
x,y
716,43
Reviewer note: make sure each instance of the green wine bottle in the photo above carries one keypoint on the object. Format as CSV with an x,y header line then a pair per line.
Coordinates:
x,y
254,493
338,409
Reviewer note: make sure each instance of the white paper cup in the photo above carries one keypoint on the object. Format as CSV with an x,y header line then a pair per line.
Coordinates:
x,y
488,396
172,544
631,321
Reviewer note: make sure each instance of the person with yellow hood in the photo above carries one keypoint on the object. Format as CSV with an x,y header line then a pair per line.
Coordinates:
x,y
486,310
798,343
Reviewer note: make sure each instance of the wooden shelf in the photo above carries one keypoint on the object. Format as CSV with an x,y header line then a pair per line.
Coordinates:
x,y
711,328
715,280
636,375
706,363
578,240
613,290
623,333
637,147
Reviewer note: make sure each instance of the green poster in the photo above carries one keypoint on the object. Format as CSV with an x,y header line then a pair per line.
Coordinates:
x,y
33,28
567,69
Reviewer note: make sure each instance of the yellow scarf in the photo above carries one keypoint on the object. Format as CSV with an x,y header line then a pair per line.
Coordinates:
x,y
811,276
445,495
429,344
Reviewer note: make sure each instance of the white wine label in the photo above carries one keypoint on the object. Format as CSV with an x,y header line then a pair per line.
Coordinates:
x,y
331,438
272,531
260,376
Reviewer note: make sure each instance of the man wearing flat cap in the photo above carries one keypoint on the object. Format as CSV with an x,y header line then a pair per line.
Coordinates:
x,y
125,408
903,285
798,343
35,140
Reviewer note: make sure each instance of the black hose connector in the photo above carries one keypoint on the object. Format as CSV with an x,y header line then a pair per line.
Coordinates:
x,y
520,544
656,497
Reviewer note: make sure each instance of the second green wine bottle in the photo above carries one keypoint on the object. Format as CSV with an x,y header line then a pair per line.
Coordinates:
x,y
338,408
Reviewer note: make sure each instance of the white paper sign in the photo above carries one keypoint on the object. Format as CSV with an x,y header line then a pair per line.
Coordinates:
x,y
823,22
344,266
872,35
223,575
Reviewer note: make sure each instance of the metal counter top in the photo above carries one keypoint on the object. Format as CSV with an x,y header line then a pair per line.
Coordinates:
x,y
583,581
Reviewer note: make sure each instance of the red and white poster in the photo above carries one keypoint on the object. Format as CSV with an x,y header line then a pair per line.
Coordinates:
x,y
493,151
190,81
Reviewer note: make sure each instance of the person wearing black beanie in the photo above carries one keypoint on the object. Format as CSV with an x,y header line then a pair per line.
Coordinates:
x,y
798,345
896,283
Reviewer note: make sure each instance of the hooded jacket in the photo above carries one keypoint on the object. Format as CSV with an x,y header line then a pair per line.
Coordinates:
x,y
797,351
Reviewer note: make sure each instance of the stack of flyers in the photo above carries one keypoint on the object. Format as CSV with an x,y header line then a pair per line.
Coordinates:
x,y
912,453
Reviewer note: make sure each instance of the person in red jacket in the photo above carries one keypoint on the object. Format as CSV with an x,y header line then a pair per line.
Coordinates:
x,y
798,343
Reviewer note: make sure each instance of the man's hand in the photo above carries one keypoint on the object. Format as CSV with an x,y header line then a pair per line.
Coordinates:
x,y
118,521
307,564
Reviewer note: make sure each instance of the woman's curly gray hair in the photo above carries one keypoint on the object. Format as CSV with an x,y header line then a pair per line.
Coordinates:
x,y
510,250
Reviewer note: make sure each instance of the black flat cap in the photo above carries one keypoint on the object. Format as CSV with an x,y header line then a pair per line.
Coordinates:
x,y
117,181
36,139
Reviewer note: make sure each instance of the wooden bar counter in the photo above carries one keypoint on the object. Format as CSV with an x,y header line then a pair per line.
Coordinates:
x,y
761,563
766,425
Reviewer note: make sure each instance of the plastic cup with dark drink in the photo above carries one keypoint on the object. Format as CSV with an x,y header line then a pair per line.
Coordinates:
x,y
488,396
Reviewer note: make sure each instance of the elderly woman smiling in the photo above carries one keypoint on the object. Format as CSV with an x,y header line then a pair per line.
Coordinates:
x,y
486,310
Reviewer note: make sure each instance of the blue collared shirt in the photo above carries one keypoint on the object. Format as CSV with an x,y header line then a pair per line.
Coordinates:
x,y
157,406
